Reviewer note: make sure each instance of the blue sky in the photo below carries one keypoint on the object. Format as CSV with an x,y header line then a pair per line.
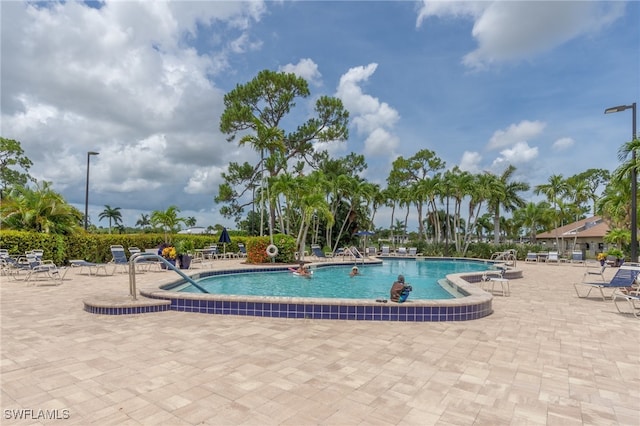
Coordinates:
x,y
482,84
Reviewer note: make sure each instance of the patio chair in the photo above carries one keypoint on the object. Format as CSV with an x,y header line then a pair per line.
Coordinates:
x,y
599,271
119,258
385,251
413,251
631,296
43,269
92,268
318,253
242,250
13,266
401,251
576,257
553,257
531,257
493,277
371,251
625,277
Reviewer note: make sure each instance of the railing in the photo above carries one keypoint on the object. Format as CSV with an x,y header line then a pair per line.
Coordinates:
x,y
152,256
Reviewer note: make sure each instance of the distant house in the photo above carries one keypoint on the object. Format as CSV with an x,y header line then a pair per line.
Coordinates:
x,y
584,235
194,230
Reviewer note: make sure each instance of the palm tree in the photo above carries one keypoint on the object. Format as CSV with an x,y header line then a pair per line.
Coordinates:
x,y
190,221
554,190
168,219
113,214
144,221
534,217
39,210
505,194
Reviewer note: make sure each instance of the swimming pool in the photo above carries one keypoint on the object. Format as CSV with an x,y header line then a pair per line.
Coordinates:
x,y
474,303
373,281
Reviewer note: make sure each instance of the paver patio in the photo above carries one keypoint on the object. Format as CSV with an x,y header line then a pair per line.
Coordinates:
x,y
543,357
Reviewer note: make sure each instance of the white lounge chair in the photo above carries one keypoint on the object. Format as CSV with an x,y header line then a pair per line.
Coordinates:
x,y
553,257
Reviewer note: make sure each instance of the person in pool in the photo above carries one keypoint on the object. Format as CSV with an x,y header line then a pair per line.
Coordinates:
x,y
354,271
400,290
303,270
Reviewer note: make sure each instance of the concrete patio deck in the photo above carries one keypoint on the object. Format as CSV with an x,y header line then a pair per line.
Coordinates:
x,y
544,357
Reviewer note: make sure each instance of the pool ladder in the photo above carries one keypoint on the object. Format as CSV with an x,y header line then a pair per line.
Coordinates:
x,y
152,256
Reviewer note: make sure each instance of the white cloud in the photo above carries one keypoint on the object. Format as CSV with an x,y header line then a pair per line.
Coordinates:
x,y
563,144
125,80
306,69
372,118
470,162
516,30
380,143
521,132
521,153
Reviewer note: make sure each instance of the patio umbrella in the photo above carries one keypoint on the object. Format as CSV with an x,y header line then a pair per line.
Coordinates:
x,y
224,239
364,234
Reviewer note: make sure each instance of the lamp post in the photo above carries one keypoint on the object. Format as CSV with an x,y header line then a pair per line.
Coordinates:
x,y
634,180
86,194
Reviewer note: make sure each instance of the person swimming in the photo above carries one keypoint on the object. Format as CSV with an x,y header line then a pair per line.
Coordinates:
x,y
303,270
354,271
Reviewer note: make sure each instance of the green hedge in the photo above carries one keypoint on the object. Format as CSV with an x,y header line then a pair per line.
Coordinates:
x,y
96,247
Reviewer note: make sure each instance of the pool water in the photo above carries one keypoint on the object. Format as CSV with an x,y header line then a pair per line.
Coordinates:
x,y
373,282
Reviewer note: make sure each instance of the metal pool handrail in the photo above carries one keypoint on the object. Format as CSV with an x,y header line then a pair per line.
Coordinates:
x,y
148,256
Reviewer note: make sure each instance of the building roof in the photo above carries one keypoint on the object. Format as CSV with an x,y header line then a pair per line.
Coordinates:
x,y
592,227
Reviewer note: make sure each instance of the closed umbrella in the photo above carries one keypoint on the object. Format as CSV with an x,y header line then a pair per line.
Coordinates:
x,y
224,239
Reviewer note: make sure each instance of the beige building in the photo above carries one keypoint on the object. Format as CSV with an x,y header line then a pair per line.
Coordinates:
x,y
586,235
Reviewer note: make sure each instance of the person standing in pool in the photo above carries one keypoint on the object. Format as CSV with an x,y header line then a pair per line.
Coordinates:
x,y
399,290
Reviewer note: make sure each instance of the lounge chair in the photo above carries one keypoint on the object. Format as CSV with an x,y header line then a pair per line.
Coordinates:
x,y
631,296
371,251
119,258
531,257
318,253
212,252
43,269
92,268
413,251
576,257
625,277
242,250
553,257
599,271
385,251
401,251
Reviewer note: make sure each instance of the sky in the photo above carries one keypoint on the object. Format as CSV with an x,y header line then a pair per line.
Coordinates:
x,y
482,84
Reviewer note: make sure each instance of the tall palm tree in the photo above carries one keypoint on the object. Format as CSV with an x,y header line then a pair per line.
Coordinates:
x,y
144,221
505,193
113,214
554,190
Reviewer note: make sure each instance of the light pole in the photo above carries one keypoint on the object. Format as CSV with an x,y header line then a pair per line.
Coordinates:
x,y
634,180
86,194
